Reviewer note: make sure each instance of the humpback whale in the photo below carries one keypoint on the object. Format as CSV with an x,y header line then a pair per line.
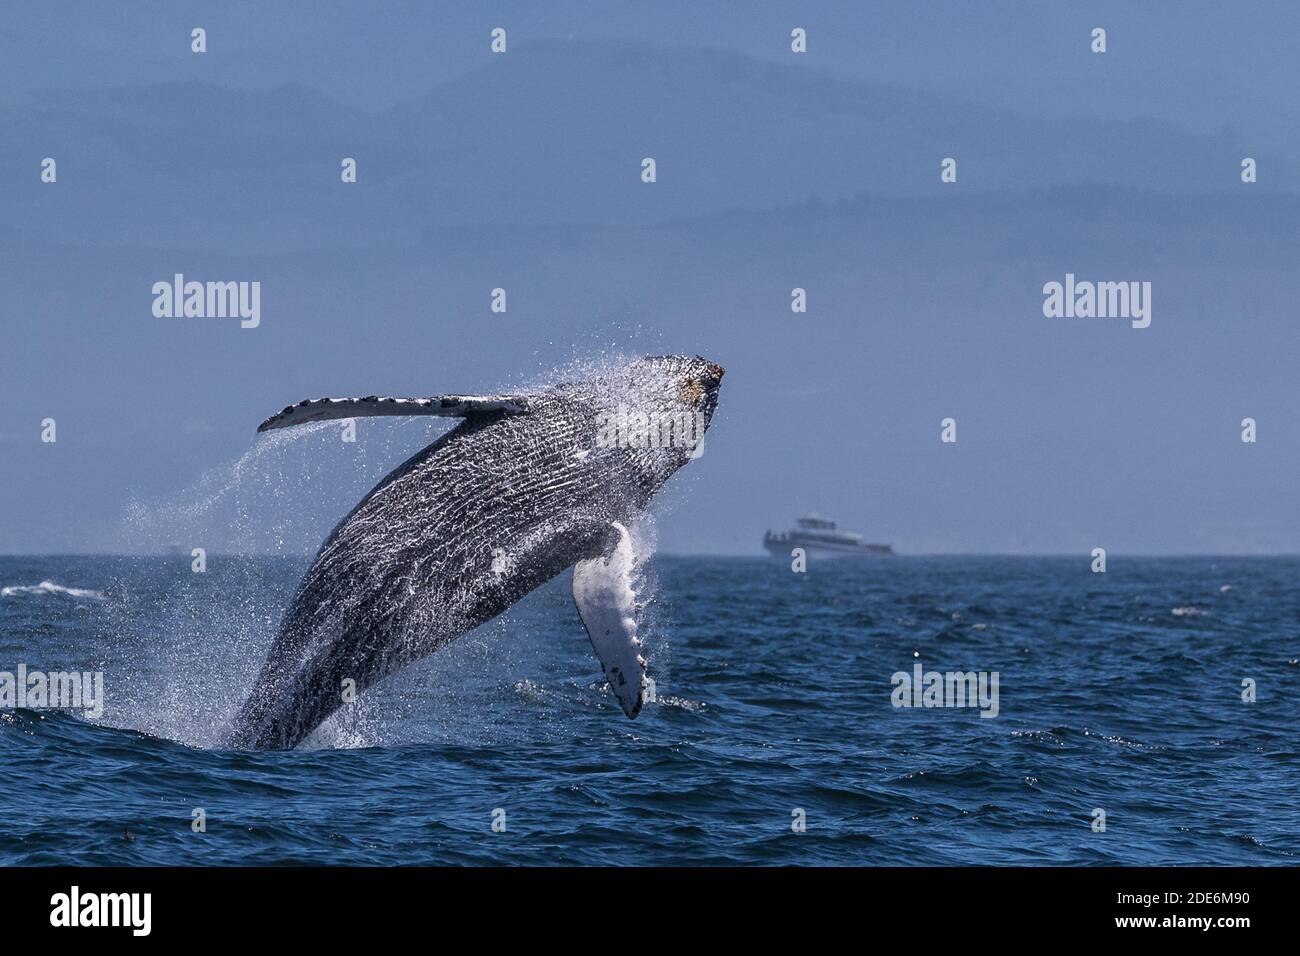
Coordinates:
x,y
520,490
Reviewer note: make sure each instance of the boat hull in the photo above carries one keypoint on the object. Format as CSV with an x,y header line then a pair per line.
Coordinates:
x,y
780,547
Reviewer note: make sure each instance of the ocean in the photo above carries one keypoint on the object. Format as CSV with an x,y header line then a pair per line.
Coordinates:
x,y
773,738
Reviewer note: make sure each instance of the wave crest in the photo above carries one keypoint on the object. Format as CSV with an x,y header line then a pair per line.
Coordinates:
x,y
50,587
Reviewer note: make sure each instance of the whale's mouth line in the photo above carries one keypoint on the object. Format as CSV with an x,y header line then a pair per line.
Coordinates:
x,y
709,404
712,386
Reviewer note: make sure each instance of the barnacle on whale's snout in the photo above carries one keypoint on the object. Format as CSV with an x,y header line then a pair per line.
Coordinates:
x,y
695,388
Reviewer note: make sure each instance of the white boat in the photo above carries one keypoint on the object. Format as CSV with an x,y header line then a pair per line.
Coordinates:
x,y
819,536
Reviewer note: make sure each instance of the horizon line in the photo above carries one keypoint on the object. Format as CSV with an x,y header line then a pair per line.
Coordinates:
x,y
709,554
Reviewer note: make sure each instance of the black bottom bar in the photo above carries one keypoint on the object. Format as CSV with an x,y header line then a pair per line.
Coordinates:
x,y
325,905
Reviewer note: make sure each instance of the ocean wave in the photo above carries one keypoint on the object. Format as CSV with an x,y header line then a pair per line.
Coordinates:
x,y
682,702
49,587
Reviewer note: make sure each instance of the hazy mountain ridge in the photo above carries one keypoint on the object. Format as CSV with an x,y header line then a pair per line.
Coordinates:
x,y
198,166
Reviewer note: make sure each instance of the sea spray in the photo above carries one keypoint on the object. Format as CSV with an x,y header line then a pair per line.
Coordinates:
x,y
256,521
277,501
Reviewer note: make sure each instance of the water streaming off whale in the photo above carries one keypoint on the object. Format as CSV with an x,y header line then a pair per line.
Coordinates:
x,y
278,499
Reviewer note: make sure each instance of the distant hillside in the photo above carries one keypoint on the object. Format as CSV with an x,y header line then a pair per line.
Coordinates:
x,y
551,133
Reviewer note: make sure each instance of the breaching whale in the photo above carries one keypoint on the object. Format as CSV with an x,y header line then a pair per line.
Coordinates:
x,y
524,487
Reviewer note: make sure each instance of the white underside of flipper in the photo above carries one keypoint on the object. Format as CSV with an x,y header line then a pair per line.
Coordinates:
x,y
603,589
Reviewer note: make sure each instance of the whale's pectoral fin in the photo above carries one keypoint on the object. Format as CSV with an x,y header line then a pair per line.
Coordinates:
x,y
602,589
321,409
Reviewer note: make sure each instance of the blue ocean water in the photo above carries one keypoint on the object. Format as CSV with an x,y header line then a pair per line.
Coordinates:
x,y
1120,691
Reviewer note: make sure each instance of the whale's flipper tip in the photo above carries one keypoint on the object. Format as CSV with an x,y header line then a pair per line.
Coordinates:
x,y
607,604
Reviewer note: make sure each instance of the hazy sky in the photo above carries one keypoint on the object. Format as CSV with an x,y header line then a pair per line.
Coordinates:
x,y
775,171
1193,60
